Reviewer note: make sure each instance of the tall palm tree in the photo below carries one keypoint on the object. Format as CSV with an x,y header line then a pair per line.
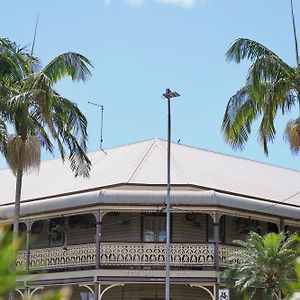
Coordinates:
x,y
40,117
271,86
292,131
265,268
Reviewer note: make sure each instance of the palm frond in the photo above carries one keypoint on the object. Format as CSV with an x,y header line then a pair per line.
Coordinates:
x,y
13,59
71,130
79,162
24,154
37,127
242,109
269,69
292,135
243,48
68,112
68,64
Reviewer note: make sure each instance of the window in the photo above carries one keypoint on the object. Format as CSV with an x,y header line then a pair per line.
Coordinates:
x,y
154,228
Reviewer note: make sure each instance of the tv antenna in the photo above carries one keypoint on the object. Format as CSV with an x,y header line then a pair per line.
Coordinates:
x,y
34,35
101,129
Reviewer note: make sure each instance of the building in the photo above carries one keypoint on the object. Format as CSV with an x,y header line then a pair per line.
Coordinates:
x,y
106,233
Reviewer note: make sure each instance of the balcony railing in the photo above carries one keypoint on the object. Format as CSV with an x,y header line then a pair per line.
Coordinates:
x,y
114,254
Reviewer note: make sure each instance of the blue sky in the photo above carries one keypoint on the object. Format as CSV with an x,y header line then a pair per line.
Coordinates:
x,y
141,47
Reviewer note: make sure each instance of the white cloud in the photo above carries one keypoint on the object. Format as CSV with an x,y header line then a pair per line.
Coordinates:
x,y
182,3
135,3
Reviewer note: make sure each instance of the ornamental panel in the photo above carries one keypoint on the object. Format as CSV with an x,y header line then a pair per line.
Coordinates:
x,y
154,254
225,252
125,254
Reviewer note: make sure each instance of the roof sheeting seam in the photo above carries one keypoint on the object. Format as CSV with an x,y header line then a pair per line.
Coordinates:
x,y
141,161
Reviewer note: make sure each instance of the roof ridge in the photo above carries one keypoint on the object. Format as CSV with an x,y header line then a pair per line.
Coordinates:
x,y
142,159
174,163
4,169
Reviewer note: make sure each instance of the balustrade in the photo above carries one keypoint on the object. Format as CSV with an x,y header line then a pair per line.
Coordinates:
x,y
114,254
226,252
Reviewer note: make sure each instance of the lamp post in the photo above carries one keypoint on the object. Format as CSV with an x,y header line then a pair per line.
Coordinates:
x,y
168,95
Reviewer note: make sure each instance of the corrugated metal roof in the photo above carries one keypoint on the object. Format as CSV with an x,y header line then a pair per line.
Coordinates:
x,y
150,197
145,163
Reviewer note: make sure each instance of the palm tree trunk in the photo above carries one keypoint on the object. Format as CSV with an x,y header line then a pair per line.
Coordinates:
x,y
19,177
17,204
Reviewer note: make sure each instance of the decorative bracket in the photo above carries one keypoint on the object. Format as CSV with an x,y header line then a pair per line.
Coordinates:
x,y
203,288
110,287
87,287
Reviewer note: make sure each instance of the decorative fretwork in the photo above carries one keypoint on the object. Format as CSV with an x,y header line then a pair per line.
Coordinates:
x,y
115,254
21,260
63,257
226,252
154,254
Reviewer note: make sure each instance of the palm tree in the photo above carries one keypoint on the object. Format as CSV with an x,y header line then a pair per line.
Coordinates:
x,y
271,86
292,131
13,61
41,116
265,267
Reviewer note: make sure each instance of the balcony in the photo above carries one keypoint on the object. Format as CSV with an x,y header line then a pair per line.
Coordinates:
x,y
124,255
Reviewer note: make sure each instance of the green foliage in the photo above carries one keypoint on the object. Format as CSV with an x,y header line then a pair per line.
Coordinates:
x,y
272,86
8,250
265,267
30,104
295,285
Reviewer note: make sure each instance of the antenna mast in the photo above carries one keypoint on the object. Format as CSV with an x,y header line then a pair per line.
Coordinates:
x,y
34,36
295,34
102,116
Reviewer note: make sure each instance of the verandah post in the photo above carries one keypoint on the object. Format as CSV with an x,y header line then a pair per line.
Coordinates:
x,y
98,241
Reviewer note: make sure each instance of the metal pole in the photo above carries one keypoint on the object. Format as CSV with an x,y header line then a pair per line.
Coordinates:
x,y
167,295
98,238
101,136
295,34
102,116
216,223
216,239
28,234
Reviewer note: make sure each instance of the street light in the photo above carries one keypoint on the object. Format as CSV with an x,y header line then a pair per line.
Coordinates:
x,y
168,95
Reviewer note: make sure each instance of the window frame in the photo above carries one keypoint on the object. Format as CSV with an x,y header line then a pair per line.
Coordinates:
x,y
154,215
